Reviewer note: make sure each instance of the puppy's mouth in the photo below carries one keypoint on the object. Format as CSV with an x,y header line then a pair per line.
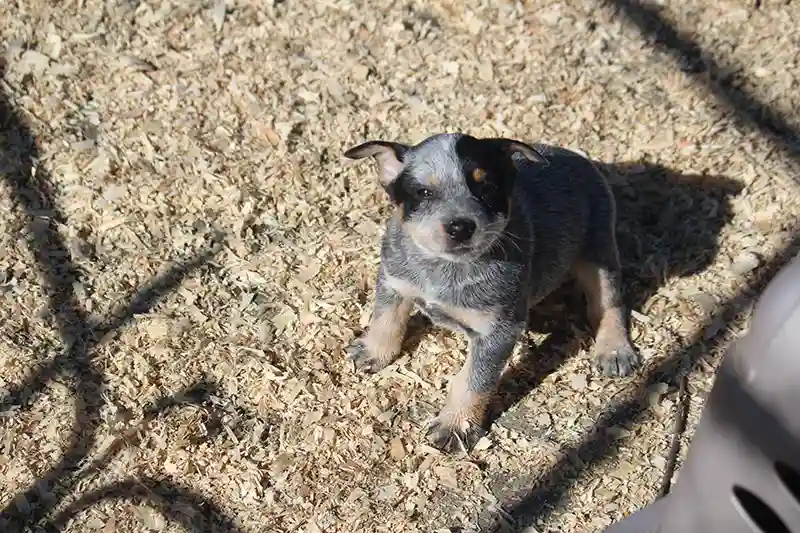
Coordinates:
x,y
460,248
457,252
467,251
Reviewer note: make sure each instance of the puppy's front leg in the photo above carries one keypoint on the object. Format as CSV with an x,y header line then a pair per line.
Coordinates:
x,y
378,346
460,423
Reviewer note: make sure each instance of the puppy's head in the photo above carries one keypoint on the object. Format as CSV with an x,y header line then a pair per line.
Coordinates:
x,y
453,191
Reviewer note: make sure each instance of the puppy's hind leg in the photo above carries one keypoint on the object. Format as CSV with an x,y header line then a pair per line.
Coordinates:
x,y
380,344
614,354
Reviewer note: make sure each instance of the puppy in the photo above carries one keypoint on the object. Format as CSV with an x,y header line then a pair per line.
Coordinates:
x,y
484,229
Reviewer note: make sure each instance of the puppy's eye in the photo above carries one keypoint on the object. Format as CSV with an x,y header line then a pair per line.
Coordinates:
x,y
422,192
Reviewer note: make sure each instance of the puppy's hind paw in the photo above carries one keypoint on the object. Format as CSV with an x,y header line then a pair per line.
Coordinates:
x,y
358,352
620,360
451,437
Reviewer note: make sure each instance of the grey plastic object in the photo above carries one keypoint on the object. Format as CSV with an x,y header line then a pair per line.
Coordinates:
x,y
742,470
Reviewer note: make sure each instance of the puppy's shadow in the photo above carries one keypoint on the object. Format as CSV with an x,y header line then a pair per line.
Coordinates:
x,y
668,225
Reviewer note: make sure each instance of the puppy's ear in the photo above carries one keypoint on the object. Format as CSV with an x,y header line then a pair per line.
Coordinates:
x,y
511,147
388,154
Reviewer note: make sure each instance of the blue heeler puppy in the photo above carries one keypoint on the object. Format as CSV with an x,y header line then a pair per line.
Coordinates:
x,y
483,230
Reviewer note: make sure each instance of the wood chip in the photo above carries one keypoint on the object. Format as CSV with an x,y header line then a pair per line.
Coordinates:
x,y
745,262
578,381
397,450
134,63
447,476
218,14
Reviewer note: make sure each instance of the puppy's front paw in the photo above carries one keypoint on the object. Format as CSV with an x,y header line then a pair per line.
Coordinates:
x,y
364,358
450,434
617,359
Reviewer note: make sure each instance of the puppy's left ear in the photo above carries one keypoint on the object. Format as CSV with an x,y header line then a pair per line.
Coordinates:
x,y
388,154
511,147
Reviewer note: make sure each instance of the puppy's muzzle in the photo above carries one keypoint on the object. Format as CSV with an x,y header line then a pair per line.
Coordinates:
x,y
460,230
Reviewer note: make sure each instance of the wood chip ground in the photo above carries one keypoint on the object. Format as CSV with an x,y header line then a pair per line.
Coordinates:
x,y
194,152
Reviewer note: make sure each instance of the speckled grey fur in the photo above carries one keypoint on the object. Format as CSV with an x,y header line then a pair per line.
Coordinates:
x,y
562,214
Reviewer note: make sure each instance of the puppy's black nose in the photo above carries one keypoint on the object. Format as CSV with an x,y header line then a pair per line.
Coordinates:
x,y
460,229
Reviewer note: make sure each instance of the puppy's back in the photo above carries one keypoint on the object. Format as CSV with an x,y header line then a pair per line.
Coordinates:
x,y
564,203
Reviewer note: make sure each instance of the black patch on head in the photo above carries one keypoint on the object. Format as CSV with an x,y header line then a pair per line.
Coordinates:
x,y
495,188
405,191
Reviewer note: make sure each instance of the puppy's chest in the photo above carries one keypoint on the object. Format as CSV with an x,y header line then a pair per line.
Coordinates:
x,y
456,306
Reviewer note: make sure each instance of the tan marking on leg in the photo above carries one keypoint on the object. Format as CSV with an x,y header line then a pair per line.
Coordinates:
x,y
611,332
604,306
386,332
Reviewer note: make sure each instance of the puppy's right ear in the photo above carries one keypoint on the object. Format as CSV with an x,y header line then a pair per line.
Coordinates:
x,y
388,154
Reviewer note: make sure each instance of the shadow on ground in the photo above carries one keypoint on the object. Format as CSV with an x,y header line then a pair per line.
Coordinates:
x,y
34,197
668,226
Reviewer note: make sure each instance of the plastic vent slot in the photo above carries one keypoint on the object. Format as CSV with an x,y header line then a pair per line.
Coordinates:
x,y
790,478
759,514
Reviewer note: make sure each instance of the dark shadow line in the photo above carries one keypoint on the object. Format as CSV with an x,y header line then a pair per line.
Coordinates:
x,y
198,394
144,300
158,493
695,61
77,363
681,419
149,296
34,193
24,393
